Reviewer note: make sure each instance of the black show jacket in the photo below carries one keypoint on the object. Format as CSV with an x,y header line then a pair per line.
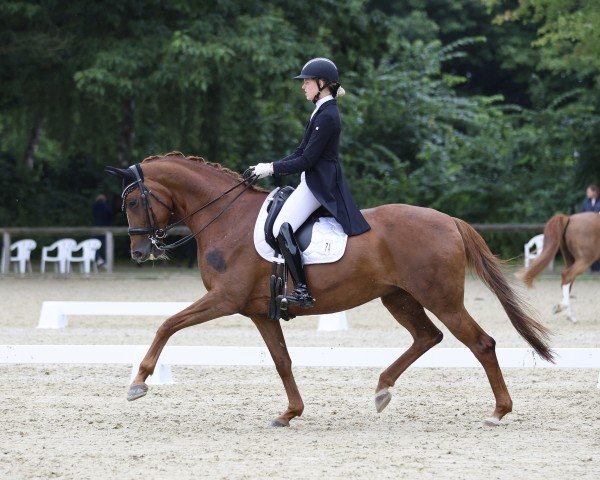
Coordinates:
x,y
317,156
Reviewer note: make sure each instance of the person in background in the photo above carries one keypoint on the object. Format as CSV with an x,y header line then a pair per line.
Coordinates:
x,y
592,204
104,216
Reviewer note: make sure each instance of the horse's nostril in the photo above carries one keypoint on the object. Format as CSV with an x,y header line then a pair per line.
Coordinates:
x,y
136,254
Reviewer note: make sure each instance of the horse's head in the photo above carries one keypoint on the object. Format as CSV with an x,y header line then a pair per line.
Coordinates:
x,y
146,204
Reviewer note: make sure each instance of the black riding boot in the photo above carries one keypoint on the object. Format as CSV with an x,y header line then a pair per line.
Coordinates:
x,y
291,253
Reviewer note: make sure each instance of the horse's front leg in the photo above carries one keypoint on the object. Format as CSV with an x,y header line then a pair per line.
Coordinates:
x,y
272,334
209,307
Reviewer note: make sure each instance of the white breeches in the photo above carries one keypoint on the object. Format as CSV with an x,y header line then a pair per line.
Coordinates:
x,y
297,208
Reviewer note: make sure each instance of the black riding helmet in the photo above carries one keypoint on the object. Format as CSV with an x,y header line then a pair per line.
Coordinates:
x,y
320,68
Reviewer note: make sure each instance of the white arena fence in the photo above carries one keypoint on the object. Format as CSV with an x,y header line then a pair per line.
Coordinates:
x,y
301,357
109,232
54,314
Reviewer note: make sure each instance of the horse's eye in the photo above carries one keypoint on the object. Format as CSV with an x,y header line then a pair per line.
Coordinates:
x,y
132,203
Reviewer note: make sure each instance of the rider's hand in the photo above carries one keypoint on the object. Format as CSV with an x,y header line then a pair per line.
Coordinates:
x,y
262,170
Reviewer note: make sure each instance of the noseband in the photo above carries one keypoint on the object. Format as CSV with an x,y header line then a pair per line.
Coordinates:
x,y
157,234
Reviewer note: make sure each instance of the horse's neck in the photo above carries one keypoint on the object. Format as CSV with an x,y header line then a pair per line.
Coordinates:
x,y
237,220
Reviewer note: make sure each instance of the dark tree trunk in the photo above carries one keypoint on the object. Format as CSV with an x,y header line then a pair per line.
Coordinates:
x,y
126,133
33,142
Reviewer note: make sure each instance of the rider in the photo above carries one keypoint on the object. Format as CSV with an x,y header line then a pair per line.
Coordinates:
x,y
322,182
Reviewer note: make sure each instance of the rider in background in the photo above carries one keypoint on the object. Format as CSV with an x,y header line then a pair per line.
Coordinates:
x,y
322,182
592,204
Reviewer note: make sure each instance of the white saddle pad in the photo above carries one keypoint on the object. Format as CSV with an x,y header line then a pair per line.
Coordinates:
x,y
327,244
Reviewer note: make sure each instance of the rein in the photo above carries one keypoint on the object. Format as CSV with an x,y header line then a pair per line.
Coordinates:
x,y
156,234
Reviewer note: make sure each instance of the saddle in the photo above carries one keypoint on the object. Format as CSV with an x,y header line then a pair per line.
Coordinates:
x,y
303,234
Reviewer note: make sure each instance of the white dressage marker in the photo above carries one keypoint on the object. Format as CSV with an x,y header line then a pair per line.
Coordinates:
x,y
162,375
301,356
333,322
54,314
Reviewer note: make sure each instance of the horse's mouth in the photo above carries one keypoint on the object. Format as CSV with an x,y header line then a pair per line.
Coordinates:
x,y
155,254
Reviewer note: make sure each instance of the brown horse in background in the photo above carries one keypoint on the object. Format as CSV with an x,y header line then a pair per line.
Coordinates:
x,y
412,258
578,237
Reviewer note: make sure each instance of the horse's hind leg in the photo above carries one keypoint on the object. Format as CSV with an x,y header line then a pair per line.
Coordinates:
x,y
411,315
463,327
568,277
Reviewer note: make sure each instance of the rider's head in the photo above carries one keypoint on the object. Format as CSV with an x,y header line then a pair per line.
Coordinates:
x,y
592,191
320,78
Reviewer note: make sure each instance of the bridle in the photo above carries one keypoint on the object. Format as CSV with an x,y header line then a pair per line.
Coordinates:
x,y
156,234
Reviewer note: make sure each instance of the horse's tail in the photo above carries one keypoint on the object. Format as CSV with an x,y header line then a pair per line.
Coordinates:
x,y
553,234
487,267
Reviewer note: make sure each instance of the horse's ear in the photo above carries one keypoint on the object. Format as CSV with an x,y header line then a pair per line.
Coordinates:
x,y
123,173
117,172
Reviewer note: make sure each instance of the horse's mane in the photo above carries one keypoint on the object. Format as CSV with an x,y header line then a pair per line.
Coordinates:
x,y
201,160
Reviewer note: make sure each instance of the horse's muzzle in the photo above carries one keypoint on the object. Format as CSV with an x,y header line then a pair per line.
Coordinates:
x,y
142,253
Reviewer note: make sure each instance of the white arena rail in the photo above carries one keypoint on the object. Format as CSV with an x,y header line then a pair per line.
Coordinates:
x,y
54,314
301,357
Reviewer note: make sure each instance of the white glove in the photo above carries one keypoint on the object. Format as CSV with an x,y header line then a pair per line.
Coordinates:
x,y
262,170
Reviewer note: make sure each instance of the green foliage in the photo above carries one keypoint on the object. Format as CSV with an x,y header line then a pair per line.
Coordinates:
x,y
488,121
569,38
568,47
416,141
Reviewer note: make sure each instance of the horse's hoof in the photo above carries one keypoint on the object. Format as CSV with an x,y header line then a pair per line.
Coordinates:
x,y
556,309
382,398
137,391
279,423
491,422
572,318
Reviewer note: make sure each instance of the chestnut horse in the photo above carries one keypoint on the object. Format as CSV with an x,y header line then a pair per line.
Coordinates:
x,y
412,258
578,237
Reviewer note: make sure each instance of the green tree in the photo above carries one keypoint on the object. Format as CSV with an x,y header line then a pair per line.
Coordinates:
x,y
444,108
569,44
